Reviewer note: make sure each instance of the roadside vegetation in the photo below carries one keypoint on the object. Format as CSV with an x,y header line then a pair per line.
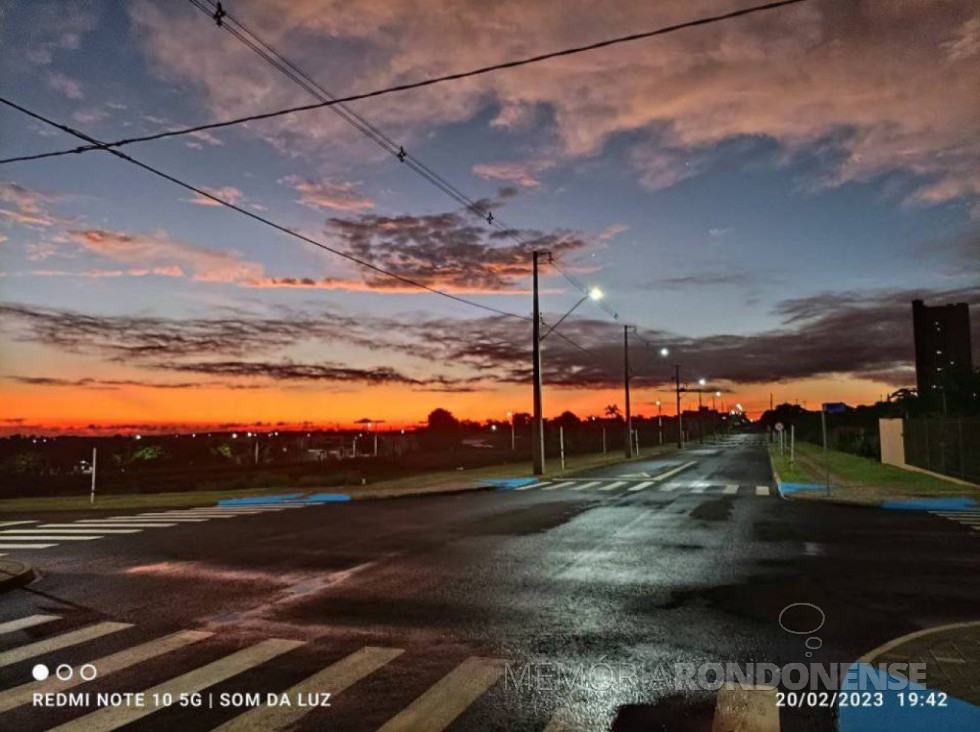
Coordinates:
x,y
856,479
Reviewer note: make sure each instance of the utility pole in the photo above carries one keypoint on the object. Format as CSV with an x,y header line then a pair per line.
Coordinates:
x,y
680,418
94,460
537,426
626,382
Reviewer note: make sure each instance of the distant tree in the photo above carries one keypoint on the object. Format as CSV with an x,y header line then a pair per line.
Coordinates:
x,y
442,420
612,411
566,419
522,420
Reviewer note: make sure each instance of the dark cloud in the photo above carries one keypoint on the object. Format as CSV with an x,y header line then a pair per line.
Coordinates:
x,y
112,384
863,334
139,338
708,279
290,371
454,250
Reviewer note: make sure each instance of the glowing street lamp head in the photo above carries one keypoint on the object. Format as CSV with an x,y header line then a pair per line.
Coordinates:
x,y
701,382
658,402
717,393
595,293
665,352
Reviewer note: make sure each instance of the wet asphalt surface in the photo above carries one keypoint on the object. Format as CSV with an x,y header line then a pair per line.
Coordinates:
x,y
546,580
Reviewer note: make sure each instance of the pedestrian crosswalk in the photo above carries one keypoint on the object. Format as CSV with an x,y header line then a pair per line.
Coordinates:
x,y
617,486
967,519
451,691
309,675
32,535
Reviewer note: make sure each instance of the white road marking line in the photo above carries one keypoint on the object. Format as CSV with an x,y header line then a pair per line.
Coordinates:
x,y
762,490
639,486
675,471
551,486
750,709
26,546
333,680
667,487
50,537
956,514
72,529
612,486
448,697
83,529
128,525
23,694
56,643
110,718
586,485
16,523
699,487
730,490
529,486
26,622
144,518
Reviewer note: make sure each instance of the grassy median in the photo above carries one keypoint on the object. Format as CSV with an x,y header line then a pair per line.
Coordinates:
x,y
442,481
857,479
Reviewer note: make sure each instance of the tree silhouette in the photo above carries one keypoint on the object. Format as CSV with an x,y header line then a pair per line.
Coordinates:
x,y
612,411
442,420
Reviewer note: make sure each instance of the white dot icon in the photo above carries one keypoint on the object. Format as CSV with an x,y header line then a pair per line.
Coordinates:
x,y
40,672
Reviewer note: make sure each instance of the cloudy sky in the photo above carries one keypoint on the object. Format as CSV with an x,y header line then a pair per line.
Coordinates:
x,y
763,196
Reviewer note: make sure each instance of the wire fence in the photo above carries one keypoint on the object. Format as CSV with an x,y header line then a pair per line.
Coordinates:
x,y
947,446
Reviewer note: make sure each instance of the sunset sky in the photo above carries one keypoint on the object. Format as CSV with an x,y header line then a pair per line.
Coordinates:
x,y
764,196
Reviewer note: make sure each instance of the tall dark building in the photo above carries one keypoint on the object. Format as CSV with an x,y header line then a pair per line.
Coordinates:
x,y
942,344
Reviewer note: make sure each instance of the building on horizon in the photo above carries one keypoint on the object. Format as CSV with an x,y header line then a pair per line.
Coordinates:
x,y
942,344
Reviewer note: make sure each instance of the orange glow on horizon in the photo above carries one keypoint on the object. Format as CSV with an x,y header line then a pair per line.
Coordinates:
x,y
131,409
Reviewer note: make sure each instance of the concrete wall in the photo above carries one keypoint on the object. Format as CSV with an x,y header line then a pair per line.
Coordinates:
x,y
892,442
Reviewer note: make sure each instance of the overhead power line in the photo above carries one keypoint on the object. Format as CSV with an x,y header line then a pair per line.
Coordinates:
x,y
257,217
412,85
272,224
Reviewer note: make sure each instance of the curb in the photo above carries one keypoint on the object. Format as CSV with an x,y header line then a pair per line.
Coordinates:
x,y
14,574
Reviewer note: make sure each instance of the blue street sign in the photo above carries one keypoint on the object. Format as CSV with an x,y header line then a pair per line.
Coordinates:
x,y
835,407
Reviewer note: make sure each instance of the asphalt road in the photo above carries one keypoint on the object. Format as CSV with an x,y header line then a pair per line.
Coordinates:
x,y
563,605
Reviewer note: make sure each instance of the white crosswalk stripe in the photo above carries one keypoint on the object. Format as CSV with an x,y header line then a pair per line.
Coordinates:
x,y
56,643
640,486
333,680
613,486
966,519
529,486
111,718
70,529
26,546
127,525
30,621
620,486
52,537
16,523
447,698
20,695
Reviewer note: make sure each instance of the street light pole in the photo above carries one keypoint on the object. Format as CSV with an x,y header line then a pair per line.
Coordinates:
x,y
660,422
537,425
680,417
626,383
513,437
